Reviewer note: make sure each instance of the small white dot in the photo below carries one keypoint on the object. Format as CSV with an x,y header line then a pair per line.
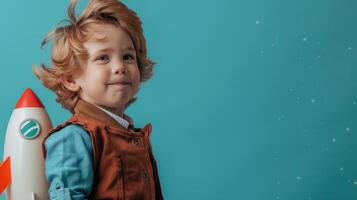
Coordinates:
x,y
278,182
277,197
341,169
312,100
333,139
348,129
318,56
281,117
257,22
354,103
354,182
304,39
349,48
298,177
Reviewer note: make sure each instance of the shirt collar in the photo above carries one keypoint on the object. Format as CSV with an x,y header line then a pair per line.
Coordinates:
x,y
90,110
117,118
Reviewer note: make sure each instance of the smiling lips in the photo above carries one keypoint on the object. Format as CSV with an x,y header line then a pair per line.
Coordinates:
x,y
119,83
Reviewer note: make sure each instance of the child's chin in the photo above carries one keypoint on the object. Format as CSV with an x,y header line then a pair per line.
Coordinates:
x,y
117,102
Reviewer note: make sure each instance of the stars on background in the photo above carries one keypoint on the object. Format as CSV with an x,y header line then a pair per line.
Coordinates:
x,y
312,55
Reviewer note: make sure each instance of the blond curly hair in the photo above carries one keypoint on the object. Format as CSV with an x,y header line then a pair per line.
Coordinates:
x,y
68,53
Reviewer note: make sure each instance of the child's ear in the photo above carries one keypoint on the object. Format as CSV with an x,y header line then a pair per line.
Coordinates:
x,y
71,84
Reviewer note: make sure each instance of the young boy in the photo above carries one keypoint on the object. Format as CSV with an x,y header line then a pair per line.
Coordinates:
x,y
98,62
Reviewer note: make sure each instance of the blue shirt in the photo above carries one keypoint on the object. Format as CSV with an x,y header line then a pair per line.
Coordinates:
x,y
69,164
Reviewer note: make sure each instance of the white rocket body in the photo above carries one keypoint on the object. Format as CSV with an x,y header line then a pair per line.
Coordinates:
x,y
23,144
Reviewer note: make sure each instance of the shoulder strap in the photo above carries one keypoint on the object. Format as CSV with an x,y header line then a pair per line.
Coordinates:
x,y
75,119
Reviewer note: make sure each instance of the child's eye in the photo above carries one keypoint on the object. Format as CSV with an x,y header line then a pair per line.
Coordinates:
x,y
129,57
103,58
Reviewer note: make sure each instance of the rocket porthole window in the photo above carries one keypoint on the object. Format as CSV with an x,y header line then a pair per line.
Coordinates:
x,y
30,129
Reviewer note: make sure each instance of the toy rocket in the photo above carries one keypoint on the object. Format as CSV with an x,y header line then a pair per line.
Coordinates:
x,y
23,171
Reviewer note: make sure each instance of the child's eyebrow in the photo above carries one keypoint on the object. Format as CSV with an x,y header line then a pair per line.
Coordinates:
x,y
109,50
104,50
129,48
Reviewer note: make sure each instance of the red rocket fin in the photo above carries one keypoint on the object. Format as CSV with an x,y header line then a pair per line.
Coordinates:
x,y
5,174
29,99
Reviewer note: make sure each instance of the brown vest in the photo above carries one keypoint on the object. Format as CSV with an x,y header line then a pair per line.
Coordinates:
x,y
123,161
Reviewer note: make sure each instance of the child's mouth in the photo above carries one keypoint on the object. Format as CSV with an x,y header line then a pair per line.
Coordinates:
x,y
119,83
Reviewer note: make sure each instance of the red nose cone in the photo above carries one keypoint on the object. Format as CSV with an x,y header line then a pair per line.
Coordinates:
x,y
29,99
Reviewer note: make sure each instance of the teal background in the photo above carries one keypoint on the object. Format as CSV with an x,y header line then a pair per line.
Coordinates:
x,y
250,99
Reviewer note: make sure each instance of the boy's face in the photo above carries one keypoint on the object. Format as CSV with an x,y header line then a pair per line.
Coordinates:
x,y
111,77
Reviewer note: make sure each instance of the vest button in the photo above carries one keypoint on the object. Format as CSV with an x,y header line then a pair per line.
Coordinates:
x,y
144,175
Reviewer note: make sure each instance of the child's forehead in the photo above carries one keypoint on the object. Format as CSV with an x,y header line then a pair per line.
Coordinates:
x,y
98,31
107,36
99,35
102,32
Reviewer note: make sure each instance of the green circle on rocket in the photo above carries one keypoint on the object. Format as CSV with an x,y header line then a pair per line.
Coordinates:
x,y
30,129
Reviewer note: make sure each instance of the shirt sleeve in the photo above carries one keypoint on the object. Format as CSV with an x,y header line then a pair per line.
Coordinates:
x,y
69,164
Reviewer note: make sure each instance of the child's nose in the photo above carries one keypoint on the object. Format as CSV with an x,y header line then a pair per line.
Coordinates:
x,y
119,68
